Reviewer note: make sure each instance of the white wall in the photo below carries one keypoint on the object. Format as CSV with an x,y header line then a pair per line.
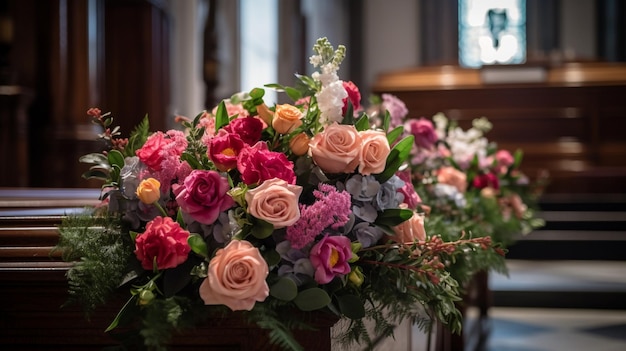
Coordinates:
x,y
391,37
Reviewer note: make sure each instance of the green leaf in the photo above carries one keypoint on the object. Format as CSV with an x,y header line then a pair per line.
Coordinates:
x,y
362,123
386,121
517,157
398,155
96,174
262,229
116,158
293,93
312,299
257,93
94,158
272,257
221,116
394,134
285,289
198,245
351,306
393,216
122,313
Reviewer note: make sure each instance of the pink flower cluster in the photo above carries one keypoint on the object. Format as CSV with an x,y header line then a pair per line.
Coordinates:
x,y
331,209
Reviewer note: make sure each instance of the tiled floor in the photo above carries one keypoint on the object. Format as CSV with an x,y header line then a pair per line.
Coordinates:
x,y
559,329
529,329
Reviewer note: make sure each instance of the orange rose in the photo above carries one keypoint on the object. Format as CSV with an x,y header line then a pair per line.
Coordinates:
x,y
337,148
410,230
299,144
286,118
374,152
454,177
236,277
149,191
275,201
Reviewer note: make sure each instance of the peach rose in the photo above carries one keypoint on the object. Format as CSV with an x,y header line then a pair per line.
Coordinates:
x,y
286,118
149,191
337,148
374,151
454,177
236,277
410,230
299,144
275,201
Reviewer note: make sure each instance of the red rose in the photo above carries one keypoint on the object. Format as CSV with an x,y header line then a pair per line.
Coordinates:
x,y
163,242
223,150
249,129
486,180
354,95
257,164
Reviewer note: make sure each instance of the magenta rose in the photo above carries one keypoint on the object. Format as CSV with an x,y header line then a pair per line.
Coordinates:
x,y
236,277
203,195
163,242
257,164
424,132
354,95
223,150
249,129
411,197
330,258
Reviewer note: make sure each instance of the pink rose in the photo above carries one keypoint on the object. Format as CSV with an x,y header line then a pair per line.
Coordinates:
x,y
374,152
424,132
164,241
337,148
275,201
203,196
410,230
223,150
504,158
151,151
236,277
330,258
249,129
454,177
354,95
257,164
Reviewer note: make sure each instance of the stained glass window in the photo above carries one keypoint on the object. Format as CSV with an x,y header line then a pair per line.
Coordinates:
x,y
492,32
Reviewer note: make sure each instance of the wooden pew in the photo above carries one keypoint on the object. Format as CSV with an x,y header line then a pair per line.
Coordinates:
x,y
34,288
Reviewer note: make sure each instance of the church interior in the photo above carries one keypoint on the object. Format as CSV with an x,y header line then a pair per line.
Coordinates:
x,y
560,96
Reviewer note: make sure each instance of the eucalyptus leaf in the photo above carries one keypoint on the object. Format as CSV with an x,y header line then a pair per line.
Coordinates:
x,y
351,306
312,299
262,229
284,289
94,158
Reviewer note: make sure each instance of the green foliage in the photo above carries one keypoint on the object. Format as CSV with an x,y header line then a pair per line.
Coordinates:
x,y
138,137
100,253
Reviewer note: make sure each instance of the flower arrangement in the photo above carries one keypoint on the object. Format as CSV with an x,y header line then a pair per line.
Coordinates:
x,y
466,183
266,210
